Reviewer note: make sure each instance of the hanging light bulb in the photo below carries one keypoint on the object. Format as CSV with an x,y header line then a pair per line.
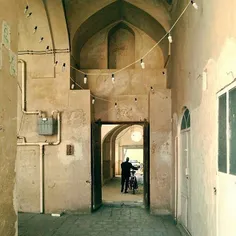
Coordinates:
x,y
135,99
29,14
55,63
26,9
41,39
35,29
136,136
85,79
116,105
142,64
64,67
170,38
194,5
113,78
93,100
47,49
72,86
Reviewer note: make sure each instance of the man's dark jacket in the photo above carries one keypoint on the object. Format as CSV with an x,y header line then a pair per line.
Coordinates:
x,y
126,166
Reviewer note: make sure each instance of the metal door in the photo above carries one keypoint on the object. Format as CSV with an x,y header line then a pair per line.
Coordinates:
x,y
185,179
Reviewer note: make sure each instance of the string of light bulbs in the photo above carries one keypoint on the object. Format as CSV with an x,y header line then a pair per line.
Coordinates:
x,y
141,60
28,14
47,50
94,97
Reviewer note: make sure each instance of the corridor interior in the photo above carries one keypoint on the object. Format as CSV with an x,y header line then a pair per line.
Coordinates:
x,y
161,69
118,143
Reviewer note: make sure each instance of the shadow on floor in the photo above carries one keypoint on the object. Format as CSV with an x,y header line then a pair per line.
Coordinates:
x,y
111,193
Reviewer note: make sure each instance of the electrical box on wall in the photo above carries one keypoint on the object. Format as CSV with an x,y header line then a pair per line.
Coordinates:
x,y
46,126
70,150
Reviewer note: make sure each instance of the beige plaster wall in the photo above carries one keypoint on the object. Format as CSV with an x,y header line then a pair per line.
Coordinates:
x,y
67,178
129,84
106,129
8,102
210,43
121,48
160,152
94,54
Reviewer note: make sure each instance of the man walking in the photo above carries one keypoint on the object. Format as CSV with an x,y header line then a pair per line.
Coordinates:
x,y
125,174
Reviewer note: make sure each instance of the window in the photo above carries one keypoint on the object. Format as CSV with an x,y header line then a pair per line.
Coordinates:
x,y
186,120
232,133
227,132
222,145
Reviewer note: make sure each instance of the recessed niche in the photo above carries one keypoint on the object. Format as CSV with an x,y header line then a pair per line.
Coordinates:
x,y
121,46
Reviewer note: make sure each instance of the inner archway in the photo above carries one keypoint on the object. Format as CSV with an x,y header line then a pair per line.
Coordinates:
x,y
120,142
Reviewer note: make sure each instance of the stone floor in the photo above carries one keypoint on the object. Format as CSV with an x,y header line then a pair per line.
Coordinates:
x,y
111,193
108,221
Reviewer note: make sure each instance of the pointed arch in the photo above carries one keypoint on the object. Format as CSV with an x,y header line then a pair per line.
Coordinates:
x,y
116,12
186,121
121,46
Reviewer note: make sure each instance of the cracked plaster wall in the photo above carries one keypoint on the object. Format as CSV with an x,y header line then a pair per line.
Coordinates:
x,y
67,178
209,38
160,152
8,103
129,84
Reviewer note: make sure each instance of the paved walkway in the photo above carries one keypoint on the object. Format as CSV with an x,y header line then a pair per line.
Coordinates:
x,y
108,221
111,193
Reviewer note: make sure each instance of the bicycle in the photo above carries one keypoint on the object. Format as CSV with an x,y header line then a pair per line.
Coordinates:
x,y
133,183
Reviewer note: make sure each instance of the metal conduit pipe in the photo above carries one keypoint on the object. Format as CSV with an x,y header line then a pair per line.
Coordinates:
x,y
40,144
41,156
23,95
176,179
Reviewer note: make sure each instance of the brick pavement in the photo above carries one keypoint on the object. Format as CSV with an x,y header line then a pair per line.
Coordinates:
x,y
108,221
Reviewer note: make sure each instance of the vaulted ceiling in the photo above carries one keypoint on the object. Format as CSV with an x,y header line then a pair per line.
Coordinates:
x,y
85,18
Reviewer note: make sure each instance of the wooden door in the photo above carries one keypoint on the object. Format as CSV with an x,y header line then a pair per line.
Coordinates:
x,y
146,161
96,166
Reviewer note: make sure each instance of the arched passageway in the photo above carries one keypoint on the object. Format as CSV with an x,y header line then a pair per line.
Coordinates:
x,y
121,142
116,142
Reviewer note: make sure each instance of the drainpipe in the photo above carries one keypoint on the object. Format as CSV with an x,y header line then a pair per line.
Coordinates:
x,y
41,145
41,169
23,96
176,179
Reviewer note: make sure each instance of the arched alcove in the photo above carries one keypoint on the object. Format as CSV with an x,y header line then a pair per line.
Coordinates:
x,y
121,46
114,12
